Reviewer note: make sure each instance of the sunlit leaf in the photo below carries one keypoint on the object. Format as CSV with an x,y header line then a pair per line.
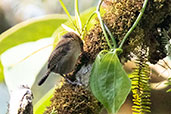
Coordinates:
x,y
24,72
1,73
169,84
30,30
109,82
169,90
41,105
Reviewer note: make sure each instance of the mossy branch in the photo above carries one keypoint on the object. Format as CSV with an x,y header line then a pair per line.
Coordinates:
x,y
101,23
135,23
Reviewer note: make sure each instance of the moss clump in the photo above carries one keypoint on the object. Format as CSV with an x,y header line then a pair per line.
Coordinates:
x,y
94,42
119,17
71,99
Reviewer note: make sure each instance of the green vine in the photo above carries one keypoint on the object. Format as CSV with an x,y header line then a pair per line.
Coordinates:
x,y
104,28
135,23
102,24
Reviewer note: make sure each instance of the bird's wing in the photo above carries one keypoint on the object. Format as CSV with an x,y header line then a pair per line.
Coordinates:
x,y
60,51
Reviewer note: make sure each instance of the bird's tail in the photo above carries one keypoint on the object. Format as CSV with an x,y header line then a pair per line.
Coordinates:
x,y
44,77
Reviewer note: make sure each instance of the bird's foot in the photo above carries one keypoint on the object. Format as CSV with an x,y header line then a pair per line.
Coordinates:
x,y
71,82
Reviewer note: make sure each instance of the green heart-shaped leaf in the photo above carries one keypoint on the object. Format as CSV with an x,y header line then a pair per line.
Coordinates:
x,y
109,82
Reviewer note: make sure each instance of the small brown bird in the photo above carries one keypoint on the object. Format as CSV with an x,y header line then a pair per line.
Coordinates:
x,y
63,58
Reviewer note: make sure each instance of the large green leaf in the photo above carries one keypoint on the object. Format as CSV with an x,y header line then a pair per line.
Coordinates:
x,y
109,82
30,30
23,63
41,105
1,72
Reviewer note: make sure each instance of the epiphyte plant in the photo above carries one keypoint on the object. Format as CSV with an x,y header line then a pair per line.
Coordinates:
x,y
108,80
79,28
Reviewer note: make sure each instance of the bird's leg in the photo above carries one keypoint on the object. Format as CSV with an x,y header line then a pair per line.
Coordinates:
x,y
69,81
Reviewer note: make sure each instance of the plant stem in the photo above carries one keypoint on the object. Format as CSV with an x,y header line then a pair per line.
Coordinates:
x,y
87,22
101,23
69,16
111,36
135,23
77,16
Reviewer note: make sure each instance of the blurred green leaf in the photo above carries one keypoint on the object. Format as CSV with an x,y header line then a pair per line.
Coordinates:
x,y
1,73
30,30
23,63
169,84
169,90
109,82
41,105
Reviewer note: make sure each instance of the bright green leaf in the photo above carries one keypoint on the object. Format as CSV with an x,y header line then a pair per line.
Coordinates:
x,y
30,30
109,82
23,63
169,90
41,105
1,72
169,79
169,84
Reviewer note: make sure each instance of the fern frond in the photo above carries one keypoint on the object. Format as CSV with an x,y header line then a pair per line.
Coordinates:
x,y
166,41
140,86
